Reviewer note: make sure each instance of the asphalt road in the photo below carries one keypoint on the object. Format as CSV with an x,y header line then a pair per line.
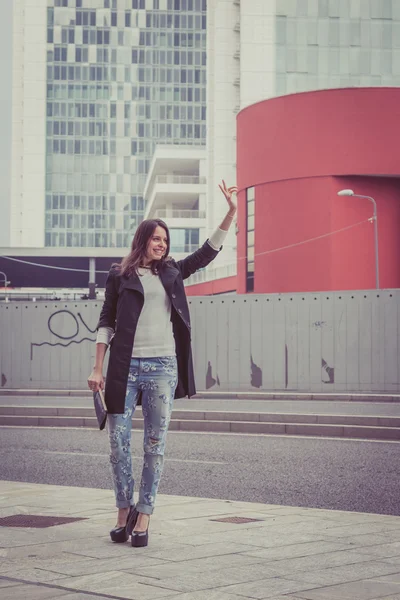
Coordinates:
x,y
323,473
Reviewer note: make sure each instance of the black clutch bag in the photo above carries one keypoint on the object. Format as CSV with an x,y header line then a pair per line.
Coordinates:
x,y
100,408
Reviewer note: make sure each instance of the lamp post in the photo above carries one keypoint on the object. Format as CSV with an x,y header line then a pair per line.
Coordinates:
x,y
375,219
5,284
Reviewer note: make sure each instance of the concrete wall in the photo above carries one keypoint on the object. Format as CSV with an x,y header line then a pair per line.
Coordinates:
x,y
320,342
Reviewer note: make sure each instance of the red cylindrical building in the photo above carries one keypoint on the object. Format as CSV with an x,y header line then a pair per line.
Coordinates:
x,y
297,152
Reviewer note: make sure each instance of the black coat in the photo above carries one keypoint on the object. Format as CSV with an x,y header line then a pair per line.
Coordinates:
x,y
124,298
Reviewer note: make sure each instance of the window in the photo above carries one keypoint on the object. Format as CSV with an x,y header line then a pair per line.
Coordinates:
x,y
250,203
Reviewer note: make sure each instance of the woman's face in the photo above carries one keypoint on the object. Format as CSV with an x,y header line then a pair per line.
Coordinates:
x,y
157,244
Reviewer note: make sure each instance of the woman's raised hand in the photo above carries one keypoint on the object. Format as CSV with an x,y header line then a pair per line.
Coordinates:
x,y
228,193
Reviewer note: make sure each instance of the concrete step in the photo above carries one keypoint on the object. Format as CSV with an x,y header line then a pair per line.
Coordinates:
x,y
198,415
365,396
380,428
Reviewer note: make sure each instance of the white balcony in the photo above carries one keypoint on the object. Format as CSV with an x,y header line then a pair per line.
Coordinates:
x,y
175,186
169,213
167,178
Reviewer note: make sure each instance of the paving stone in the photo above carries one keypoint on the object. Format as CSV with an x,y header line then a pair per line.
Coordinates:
x,y
358,590
7,583
344,573
364,528
31,592
391,597
211,595
321,561
364,540
383,550
211,579
297,550
33,575
392,578
200,565
107,549
191,553
258,540
83,596
88,566
126,584
268,588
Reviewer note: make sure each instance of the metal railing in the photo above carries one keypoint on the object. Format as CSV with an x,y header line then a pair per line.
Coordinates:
x,y
169,213
179,179
183,249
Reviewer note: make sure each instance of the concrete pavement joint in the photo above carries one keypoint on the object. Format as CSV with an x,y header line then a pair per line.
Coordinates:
x,y
60,587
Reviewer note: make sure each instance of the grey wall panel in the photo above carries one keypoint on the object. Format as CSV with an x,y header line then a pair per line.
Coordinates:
x,y
315,325
291,339
391,344
280,354
352,338
268,347
303,343
378,344
365,347
233,341
222,357
327,341
243,304
198,341
340,339
331,342
256,367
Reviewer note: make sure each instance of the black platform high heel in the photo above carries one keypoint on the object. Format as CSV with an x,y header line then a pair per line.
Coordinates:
x,y
120,535
140,539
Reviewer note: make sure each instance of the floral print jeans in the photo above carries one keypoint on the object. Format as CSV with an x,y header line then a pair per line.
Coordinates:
x,y
156,379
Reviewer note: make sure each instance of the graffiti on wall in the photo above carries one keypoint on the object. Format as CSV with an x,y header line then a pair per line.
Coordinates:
x,y
66,328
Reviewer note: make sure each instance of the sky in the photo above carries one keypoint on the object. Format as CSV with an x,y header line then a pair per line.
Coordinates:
x,y
5,116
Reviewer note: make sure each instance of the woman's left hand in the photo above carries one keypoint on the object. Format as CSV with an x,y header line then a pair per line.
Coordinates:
x,y
228,193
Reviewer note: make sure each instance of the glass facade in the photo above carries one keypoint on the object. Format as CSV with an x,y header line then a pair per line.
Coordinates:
x,y
122,77
250,204
184,240
329,44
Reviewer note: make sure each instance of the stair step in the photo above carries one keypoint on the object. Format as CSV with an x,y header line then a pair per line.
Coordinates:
x,y
261,427
231,416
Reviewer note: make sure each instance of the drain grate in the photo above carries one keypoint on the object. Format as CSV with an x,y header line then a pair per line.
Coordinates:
x,y
238,520
36,521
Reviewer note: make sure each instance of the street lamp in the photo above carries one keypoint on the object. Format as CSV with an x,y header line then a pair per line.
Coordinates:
x,y
5,283
375,219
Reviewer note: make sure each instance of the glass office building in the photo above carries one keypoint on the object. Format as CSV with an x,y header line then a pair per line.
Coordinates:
x,y
122,76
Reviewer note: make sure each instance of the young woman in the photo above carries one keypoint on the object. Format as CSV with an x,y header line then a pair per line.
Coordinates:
x,y
145,319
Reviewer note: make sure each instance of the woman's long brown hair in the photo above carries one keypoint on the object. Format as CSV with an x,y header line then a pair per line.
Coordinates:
x,y
140,241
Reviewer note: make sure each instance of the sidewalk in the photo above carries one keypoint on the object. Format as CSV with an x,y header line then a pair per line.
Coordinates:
x,y
286,553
